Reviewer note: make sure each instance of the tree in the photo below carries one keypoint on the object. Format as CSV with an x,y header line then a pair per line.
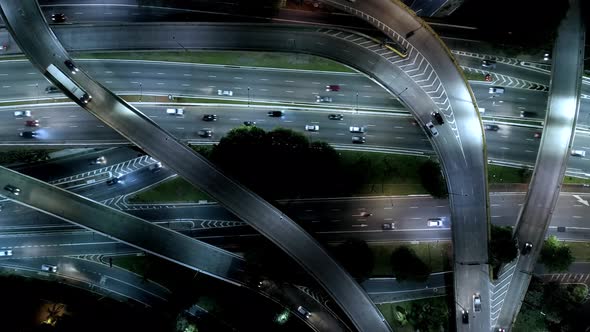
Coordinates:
x,y
356,257
556,256
406,265
428,315
502,247
432,179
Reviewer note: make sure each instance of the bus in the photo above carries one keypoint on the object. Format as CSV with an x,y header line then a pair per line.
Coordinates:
x,y
67,83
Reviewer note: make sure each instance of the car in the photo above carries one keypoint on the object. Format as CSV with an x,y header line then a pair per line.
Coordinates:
x,y
312,127
5,252
500,329
439,119
250,123
275,114
32,123
12,189
58,18
175,111
537,134
546,56
355,129
431,129
73,69
527,114
49,268
578,153
333,87
496,90
156,167
210,117
358,139
99,161
488,63
51,89
22,114
388,226
323,99
526,249
113,181
205,133
366,214
225,93
465,316
492,127
476,302
487,78
304,312
435,222
335,116
28,134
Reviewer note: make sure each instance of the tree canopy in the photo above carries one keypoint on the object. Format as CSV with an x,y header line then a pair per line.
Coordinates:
x,y
356,257
432,179
556,256
502,246
406,265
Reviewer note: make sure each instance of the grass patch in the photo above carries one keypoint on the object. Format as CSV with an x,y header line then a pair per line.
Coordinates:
x,y
503,174
386,174
434,254
471,76
176,190
435,303
575,180
580,251
253,59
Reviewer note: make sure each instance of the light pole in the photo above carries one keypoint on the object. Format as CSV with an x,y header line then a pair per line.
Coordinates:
x,y
37,86
248,97
179,44
140,91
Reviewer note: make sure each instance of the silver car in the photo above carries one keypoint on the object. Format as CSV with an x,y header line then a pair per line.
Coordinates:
x,y
431,129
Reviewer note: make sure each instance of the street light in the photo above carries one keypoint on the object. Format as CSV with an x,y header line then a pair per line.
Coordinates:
x,y
140,91
248,97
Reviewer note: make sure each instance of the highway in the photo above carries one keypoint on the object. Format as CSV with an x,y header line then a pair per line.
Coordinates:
x,y
483,88
27,25
535,216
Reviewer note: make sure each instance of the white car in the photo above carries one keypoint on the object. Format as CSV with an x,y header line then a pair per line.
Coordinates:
x,y
312,127
99,161
22,114
435,222
175,111
5,252
225,93
497,90
49,268
579,153
476,302
359,130
431,129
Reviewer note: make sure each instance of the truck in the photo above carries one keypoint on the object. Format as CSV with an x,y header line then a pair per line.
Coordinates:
x,y
68,84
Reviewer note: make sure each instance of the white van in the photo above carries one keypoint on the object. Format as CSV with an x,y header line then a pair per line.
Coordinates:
x,y
579,153
497,90
175,111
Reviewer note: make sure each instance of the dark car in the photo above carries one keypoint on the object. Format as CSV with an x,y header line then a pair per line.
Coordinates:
x,y
527,248
335,116
32,123
333,87
51,89
527,114
112,181
275,114
388,226
29,134
71,66
358,139
488,63
249,123
439,119
12,189
205,133
537,134
491,127
465,316
58,18
209,117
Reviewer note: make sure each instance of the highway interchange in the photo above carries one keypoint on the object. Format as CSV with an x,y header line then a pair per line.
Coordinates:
x,y
506,107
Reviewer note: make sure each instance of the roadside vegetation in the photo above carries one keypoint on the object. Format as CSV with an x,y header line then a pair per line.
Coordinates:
x,y
236,58
556,255
553,307
24,156
430,314
38,305
502,247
